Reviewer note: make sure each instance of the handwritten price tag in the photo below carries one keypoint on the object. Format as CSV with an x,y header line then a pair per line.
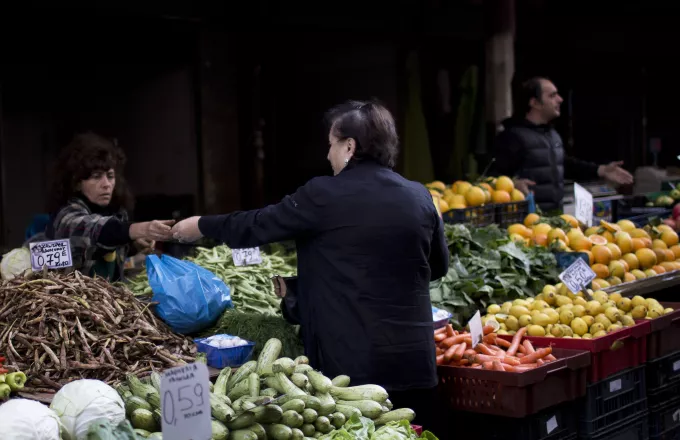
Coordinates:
x,y
577,276
185,403
583,205
246,257
476,329
54,254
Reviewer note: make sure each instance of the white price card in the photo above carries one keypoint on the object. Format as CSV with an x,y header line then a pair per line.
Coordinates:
x,y
476,329
551,424
246,257
577,276
185,403
55,254
583,205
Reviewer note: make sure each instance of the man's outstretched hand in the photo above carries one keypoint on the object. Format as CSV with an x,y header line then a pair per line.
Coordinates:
x,y
615,174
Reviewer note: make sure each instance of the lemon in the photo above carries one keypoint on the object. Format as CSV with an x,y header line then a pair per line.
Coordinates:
x,y
566,316
651,302
521,302
525,320
589,320
494,325
580,301
601,296
541,319
625,304
512,323
614,327
627,321
562,300
557,331
596,328
539,305
536,330
549,288
639,312
553,315
599,334
501,317
518,311
616,296
653,314
578,311
493,309
587,336
638,301
502,332
594,308
602,319
667,310
579,326
567,330
505,307
612,313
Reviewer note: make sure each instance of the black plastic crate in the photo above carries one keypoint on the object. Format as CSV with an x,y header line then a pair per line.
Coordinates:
x,y
555,423
477,215
664,420
613,400
510,213
661,395
635,428
663,371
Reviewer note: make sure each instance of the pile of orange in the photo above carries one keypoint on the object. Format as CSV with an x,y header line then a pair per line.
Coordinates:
x,y
462,194
618,253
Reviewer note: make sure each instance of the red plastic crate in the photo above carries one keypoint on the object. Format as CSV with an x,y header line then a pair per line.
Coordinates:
x,y
516,394
664,338
605,362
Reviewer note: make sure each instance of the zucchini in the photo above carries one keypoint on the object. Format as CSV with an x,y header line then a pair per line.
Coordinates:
x,y
309,389
327,404
145,391
219,431
156,436
155,380
143,419
320,382
341,381
323,425
388,404
123,389
302,368
338,419
395,416
368,408
287,386
308,429
310,401
385,409
296,405
241,374
222,381
211,387
347,411
241,389
270,352
242,434
302,360
254,385
292,419
220,410
273,382
143,433
361,392
278,431
267,414
300,380
133,402
242,421
309,415
283,365
269,392
259,431
297,434
317,434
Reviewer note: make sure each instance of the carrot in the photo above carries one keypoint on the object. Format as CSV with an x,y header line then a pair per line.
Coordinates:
x,y
449,330
464,362
497,366
487,365
440,337
440,331
438,351
453,340
510,361
469,352
458,354
481,358
468,341
484,349
478,366
538,354
540,362
503,343
550,358
448,354
527,345
440,359
487,329
516,340
490,339
519,355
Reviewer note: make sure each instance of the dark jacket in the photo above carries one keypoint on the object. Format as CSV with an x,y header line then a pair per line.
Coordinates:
x,y
536,152
368,242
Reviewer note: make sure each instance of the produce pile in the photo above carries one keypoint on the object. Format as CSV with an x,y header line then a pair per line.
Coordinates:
x,y
559,313
488,267
308,405
463,194
10,382
493,353
64,327
617,253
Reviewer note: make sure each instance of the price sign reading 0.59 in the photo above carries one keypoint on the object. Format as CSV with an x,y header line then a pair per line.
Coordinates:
x,y
577,276
246,257
55,254
185,403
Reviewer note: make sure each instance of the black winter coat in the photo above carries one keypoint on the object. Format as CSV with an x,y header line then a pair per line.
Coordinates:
x,y
369,242
536,152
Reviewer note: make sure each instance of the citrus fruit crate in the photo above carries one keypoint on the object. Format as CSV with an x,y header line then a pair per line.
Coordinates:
x,y
515,394
484,215
617,351
665,333
664,420
511,213
613,400
636,428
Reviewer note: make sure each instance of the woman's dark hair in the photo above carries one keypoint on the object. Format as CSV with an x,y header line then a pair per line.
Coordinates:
x,y
371,126
86,154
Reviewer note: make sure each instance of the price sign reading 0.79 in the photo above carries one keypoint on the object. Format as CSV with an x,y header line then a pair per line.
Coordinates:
x,y
55,254
246,257
185,403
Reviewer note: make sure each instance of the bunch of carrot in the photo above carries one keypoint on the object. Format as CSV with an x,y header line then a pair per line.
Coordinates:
x,y
493,353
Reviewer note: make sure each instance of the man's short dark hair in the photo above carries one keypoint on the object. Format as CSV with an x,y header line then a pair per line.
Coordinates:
x,y
530,88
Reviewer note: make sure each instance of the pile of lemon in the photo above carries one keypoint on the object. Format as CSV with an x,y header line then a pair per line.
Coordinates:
x,y
618,253
462,194
559,313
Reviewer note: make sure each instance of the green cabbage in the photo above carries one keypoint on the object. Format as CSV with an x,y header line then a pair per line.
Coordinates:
x,y
14,263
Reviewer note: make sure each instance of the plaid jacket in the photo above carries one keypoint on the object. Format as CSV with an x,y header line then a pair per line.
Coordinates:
x,y
77,222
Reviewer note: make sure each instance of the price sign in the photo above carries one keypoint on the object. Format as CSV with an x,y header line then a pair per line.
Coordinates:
x,y
55,254
476,329
185,403
583,205
246,257
577,276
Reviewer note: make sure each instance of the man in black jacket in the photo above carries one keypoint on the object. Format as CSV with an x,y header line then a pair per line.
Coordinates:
x,y
530,150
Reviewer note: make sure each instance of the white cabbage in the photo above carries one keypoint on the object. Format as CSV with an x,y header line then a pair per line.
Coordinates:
x,y
84,402
23,419
14,263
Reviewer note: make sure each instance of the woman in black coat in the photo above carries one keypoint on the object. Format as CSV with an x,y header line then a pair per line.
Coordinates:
x,y
369,242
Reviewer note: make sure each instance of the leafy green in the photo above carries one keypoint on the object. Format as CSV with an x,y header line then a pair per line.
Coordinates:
x,y
486,267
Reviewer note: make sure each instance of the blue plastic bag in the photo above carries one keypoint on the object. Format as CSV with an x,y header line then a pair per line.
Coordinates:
x,y
190,298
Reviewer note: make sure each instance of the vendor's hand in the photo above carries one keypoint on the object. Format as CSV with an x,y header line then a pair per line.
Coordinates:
x,y
158,230
523,185
279,286
187,231
144,246
615,174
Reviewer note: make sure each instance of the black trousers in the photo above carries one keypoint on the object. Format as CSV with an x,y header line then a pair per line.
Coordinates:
x,y
426,404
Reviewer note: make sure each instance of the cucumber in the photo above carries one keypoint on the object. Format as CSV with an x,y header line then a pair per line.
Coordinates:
x,y
267,414
133,402
338,419
242,434
368,408
320,382
341,381
219,431
270,352
308,429
388,404
288,387
323,425
347,411
242,421
327,404
297,434
310,401
283,365
302,360
273,382
220,410
259,431
395,416
240,389
300,380
302,368
254,385
278,431
292,419
155,380
143,433
156,436
269,392
296,405
361,392
221,381
241,374
309,415
143,419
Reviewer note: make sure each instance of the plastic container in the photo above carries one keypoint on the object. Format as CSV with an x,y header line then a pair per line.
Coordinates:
x,y
516,394
225,357
629,429
444,318
630,349
664,420
665,333
613,400
663,371
511,213
477,215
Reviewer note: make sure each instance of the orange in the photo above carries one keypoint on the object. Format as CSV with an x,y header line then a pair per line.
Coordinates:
x,y
616,269
639,275
670,256
632,261
626,225
650,273
570,219
658,269
608,236
475,196
591,231
669,266
647,242
443,206
437,185
659,244
542,228
504,183
500,196
625,265
599,284
660,255
540,239
580,243
628,277
531,220
486,186
624,242
638,244
519,229
616,252
591,258
647,258
639,233
602,254
557,234
669,237
517,195
663,227
600,270
598,239
611,227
